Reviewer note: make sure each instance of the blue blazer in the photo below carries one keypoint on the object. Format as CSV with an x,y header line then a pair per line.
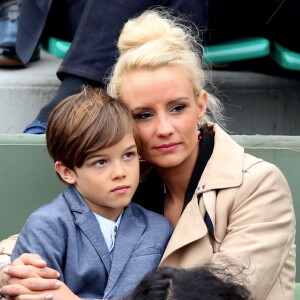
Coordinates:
x,y
67,235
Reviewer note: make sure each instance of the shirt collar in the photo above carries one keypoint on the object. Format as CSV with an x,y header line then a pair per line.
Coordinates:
x,y
109,230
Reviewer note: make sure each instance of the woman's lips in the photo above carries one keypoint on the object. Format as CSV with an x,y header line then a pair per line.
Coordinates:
x,y
167,147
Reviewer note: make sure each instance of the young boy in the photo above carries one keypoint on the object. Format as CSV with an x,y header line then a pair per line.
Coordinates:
x,y
101,244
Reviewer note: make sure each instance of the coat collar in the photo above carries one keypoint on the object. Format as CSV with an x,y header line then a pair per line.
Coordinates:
x,y
225,166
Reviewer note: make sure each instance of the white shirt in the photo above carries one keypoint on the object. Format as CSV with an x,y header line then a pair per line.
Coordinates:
x,y
109,230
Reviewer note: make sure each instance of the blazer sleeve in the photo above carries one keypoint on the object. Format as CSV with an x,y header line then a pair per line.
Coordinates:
x,y
42,234
261,228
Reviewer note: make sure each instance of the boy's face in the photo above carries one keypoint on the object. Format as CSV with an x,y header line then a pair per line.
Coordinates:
x,y
108,178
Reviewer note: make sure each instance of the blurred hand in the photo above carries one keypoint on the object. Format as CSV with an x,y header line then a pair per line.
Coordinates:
x,y
20,292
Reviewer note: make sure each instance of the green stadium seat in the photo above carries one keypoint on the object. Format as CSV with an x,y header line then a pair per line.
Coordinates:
x,y
297,295
226,52
233,50
56,47
236,50
286,58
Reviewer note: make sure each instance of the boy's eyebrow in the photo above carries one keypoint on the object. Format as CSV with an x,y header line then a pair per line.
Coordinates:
x,y
133,146
93,155
170,102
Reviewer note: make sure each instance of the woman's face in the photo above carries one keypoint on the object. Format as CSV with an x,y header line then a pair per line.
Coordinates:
x,y
166,112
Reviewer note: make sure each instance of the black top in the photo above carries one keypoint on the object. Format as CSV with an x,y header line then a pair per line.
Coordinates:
x,y
151,195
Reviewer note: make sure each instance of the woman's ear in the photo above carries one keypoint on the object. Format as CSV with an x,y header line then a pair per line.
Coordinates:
x,y
201,102
65,173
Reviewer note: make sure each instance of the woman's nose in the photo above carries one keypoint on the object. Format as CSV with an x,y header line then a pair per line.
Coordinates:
x,y
164,127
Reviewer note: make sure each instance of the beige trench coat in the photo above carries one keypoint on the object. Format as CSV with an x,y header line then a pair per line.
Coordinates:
x,y
250,206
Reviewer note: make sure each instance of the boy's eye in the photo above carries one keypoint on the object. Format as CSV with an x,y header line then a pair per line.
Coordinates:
x,y
129,155
178,108
100,163
143,116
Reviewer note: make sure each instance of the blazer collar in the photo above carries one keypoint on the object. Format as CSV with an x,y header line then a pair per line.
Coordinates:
x,y
129,232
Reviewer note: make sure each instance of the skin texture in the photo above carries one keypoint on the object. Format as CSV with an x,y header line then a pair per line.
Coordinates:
x,y
41,278
166,112
107,179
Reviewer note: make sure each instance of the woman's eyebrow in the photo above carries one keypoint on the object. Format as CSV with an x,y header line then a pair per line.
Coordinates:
x,y
141,108
178,99
169,102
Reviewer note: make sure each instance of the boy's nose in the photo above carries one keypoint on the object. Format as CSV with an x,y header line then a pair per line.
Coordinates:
x,y
118,172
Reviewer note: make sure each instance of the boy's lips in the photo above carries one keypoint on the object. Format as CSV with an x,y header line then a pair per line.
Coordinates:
x,y
120,189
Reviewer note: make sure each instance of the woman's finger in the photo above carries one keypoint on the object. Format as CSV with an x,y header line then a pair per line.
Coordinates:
x,y
13,290
46,296
27,271
32,284
30,259
19,292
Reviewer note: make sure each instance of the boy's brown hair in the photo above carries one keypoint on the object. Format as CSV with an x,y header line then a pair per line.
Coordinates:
x,y
84,123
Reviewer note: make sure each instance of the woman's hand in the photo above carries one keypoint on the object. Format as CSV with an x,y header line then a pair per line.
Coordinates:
x,y
31,279
28,274
29,266
21,292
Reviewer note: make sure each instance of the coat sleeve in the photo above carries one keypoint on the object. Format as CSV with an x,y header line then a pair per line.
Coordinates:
x,y
261,229
6,248
42,234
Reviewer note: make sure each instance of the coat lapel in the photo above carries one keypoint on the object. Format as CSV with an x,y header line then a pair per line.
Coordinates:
x,y
190,227
129,233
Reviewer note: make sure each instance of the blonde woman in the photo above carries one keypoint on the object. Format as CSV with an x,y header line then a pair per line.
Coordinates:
x,y
223,202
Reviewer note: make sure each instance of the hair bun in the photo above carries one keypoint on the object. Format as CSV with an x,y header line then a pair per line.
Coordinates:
x,y
150,27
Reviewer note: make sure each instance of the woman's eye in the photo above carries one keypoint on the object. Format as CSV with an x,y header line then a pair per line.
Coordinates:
x,y
143,116
100,163
178,108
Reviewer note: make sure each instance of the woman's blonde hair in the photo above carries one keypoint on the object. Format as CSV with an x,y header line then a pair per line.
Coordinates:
x,y
153,40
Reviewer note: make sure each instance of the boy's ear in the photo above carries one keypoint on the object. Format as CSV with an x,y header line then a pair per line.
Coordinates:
x,y
65,173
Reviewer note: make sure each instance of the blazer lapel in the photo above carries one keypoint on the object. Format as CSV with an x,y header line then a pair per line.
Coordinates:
x,y
87,222
90,226
129,233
